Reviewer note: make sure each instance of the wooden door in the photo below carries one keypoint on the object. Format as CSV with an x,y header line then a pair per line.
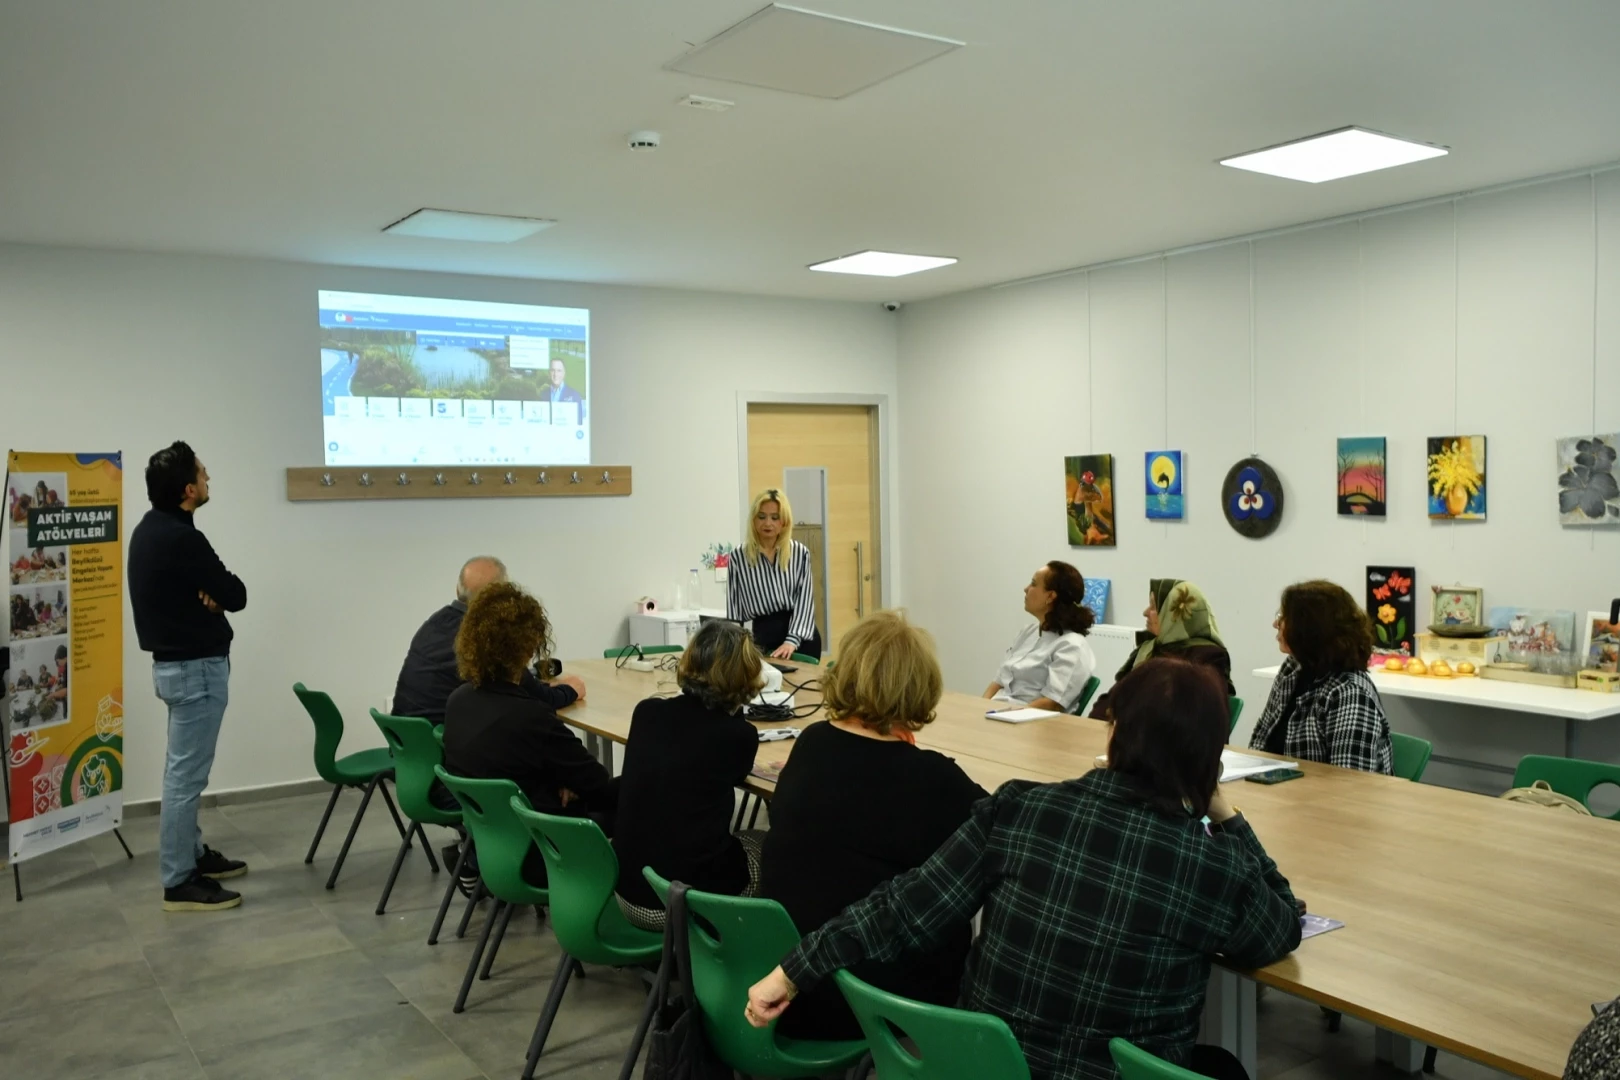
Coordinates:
x,y
843,440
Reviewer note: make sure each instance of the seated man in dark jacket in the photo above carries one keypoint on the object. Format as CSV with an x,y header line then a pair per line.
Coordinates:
x,y
493,729
428,677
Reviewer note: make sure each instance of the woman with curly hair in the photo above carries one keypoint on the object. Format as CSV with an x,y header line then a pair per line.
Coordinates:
x,y
493,729
1323,706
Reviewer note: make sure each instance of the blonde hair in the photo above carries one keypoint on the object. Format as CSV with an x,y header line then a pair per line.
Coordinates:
x,y
887,675
784,542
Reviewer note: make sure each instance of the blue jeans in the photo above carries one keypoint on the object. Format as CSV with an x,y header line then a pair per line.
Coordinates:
x,y
195,692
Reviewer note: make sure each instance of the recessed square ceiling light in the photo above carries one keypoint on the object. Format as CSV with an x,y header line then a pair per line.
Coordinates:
x,y
456,225
1345,152
881,264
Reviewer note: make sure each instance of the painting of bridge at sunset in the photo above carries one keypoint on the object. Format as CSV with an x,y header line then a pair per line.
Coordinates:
x,y
1361,477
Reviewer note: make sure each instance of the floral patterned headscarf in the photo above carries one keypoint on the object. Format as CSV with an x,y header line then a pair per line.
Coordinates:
x,y
1184,618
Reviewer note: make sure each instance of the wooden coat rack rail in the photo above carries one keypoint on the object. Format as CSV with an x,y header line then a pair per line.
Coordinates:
x,y
455,482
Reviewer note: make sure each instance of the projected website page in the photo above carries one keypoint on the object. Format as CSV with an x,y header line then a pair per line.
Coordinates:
x,y
409,380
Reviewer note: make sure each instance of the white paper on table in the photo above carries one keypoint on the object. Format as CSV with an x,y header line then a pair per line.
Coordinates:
x,y
1020,716
1235,766
1311,925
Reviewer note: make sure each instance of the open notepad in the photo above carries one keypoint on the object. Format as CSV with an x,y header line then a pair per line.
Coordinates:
x,y
1020,716
1234,766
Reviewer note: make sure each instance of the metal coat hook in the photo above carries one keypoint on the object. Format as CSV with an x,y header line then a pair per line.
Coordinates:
x,y
475,479
543,478
326,480
573,477
365,479
438,479
509,479
404,480
607,477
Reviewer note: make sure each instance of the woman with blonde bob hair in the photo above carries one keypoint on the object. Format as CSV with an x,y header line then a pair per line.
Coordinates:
x,y
769,581
858,802
685,757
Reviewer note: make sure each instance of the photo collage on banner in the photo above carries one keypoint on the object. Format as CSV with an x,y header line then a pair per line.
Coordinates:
x,y
64,561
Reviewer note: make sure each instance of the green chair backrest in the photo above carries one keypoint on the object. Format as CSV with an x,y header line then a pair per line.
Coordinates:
x,y
646,650
416,751
745,939
1234,709
1138,1064
328,730
1411,755
1567,776
501,839
800,658
952,1044
582,872
1086,695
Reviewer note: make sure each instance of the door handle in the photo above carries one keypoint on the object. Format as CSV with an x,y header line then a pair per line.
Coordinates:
x,y
860,580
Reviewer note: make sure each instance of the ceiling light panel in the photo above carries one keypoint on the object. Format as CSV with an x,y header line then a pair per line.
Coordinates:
x,y
478,228
1346,152
806,52
882,264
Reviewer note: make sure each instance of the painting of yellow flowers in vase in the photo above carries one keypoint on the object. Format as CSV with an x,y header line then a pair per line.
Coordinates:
x,y
1457,477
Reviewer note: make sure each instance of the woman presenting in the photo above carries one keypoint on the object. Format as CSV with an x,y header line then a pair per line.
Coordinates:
x,y
770,583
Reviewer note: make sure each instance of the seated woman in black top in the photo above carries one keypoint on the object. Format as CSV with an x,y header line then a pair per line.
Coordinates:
x,y
858,803
493,729
683,761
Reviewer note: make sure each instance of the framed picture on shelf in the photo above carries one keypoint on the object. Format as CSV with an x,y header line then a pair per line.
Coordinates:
x,y
1600,642
1457,605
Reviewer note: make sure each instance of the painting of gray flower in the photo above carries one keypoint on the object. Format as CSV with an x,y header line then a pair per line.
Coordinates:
x,y
1588,491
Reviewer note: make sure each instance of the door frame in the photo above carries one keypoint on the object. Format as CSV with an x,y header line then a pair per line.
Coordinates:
x,y
880,404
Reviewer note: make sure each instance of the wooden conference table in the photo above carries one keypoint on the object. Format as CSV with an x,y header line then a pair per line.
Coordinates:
x,y
1482,927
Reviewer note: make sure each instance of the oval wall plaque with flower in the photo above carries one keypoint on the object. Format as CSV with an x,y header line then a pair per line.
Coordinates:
x,y
1252,498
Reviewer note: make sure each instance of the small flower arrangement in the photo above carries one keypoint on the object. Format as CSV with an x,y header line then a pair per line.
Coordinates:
x,y
718,556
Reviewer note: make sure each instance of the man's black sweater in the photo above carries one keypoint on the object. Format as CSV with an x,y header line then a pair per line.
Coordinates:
x,y
170,562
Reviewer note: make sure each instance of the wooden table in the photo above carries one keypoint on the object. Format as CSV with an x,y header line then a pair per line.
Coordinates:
x,y
1565,703
1482,927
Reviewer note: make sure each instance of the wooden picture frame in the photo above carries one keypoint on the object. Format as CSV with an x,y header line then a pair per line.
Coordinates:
x,y
1589,638
1450,600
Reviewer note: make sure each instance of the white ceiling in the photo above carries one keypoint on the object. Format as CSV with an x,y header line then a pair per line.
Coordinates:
x,y
1064,133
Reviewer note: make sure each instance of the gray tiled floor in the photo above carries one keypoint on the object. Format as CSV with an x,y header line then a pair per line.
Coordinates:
x,y
304,983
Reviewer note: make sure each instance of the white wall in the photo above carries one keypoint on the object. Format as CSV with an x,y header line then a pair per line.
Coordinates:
x,y
104,350
1356,329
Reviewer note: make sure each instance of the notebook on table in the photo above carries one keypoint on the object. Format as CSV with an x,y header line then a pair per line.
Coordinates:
x,y
1020,716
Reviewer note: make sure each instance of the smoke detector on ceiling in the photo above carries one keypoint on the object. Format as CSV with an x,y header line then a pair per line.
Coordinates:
x,y
644,141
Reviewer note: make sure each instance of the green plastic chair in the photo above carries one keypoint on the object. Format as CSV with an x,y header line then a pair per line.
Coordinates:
x,y
582,873
1234,709
952,1044
1085,696
416,751
502,842
1137,1064
1411,755
366,769
646,650
1567,776
800,658
754,935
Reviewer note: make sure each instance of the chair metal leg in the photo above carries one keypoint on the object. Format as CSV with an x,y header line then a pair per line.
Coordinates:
x,y
478,954
542,1028
495,943
472,902
354,827
654,993
742,808
753,819
393,874
449,891
320,831
427,848
382,785
1428,1059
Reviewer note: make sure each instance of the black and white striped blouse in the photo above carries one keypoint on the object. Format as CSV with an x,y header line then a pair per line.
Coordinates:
x,y
759,587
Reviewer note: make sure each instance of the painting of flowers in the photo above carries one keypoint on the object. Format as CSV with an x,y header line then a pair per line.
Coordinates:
x,y
1089,499
1588,491
1163,476
1361,477
1392,607
1457,478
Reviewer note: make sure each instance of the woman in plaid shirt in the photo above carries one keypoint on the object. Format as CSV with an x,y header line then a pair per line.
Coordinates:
x,y
1105,898
1324,706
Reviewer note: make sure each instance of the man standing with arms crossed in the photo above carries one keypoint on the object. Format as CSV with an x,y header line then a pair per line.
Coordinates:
x,y
180,590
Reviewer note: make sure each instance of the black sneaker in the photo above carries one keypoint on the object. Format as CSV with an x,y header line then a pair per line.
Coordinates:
x,y
211,864
200,894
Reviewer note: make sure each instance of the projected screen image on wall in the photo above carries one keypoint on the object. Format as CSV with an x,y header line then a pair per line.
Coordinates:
x,y
410,380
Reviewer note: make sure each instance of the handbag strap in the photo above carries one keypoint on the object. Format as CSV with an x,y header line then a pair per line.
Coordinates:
x,y
676,926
